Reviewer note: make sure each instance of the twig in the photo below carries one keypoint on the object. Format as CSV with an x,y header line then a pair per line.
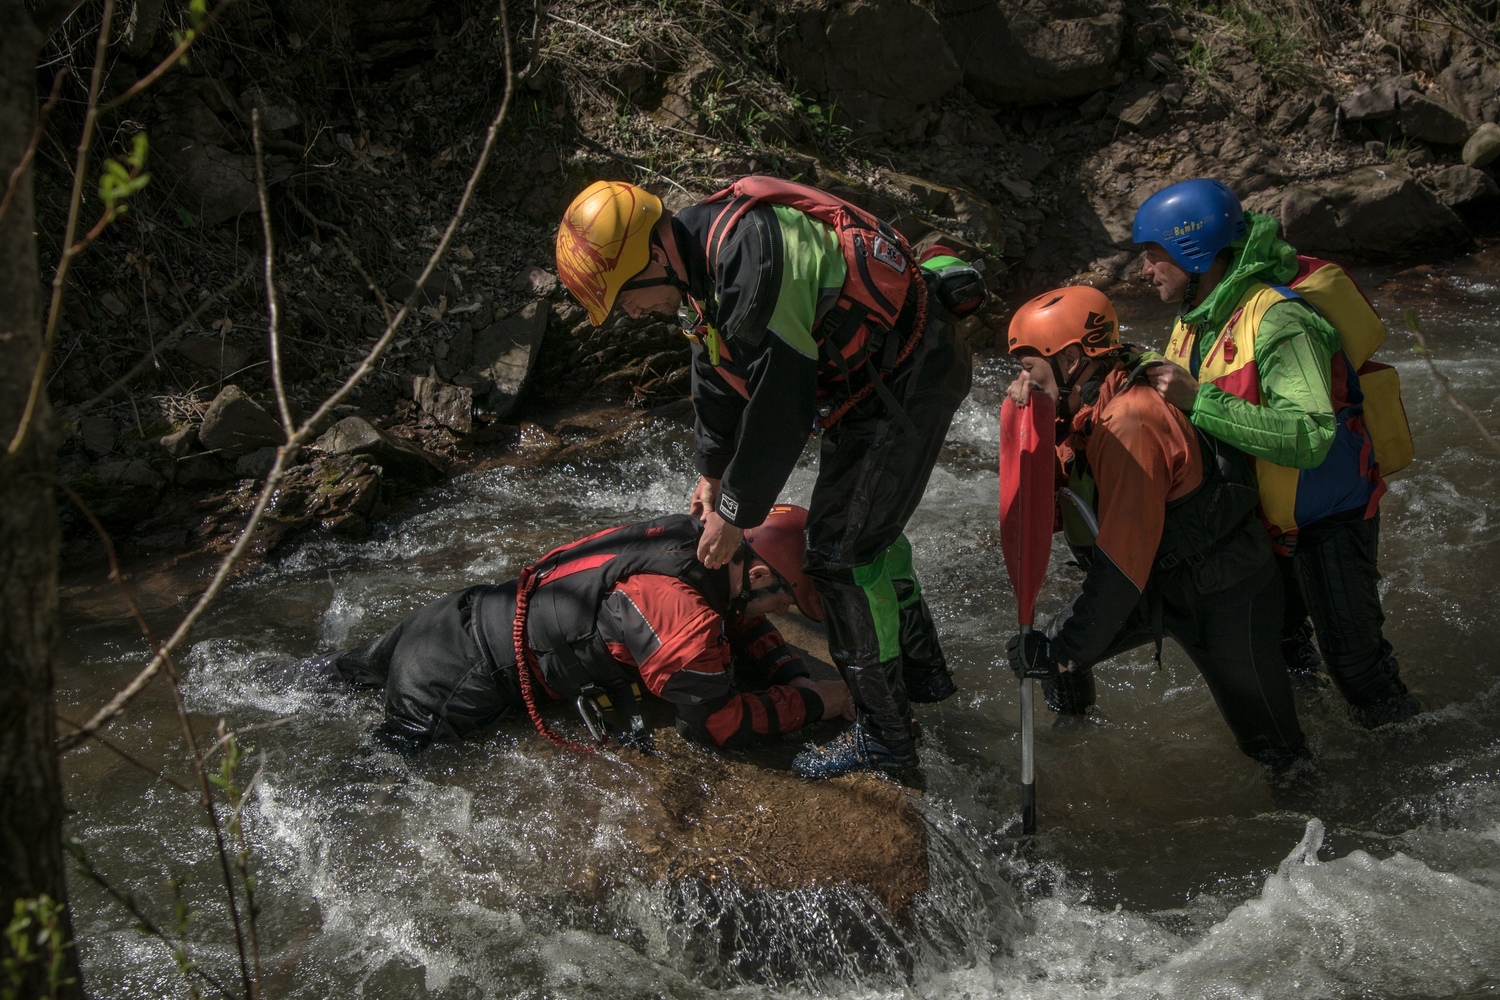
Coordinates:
x,y
596,34
166,342
70,230
171,59
273,479
134,909
273,306
36,140
533,59
205,791
1414,324
119,751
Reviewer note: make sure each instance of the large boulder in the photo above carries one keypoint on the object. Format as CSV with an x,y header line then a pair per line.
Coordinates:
x,y
1027,52
1425,114
505,354
1483,147
356,437
1371,213
878,61
1473,79
236,425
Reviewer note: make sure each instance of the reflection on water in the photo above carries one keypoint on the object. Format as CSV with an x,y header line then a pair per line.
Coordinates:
x,y
1163,867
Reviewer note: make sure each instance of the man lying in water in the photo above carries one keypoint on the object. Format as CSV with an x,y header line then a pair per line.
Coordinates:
x,y
629,604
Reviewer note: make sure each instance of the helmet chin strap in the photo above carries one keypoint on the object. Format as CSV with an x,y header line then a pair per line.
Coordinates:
x,y
1190,294
1065,384
745,554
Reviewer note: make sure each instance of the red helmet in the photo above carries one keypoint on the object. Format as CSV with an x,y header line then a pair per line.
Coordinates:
x,y
781,542
1076,314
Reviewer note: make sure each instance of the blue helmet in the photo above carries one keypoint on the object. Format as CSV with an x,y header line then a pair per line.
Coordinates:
x,y
1193,220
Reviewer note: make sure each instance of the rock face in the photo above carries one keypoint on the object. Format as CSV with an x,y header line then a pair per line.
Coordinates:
x,y
236,425
1027,53
1372,214
505,353
450,405
877,60
356,436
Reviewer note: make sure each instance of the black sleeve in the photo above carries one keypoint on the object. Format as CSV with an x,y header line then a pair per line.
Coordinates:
x,y
1083,632
774,428
717,409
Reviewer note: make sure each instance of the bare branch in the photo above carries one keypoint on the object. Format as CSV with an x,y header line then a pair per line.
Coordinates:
x,y
36,140
119,751
273,305
75,200
171,59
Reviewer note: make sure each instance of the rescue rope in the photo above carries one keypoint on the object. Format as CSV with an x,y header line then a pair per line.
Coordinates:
x,y
919,325
526,662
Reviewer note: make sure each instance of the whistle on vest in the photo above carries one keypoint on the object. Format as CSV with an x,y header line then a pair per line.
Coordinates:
x,y
595,708
1229,349
699,333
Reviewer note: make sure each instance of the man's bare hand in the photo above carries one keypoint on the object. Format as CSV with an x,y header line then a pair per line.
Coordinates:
x,y
1021,389
833,694
719,542
1176,385
705,497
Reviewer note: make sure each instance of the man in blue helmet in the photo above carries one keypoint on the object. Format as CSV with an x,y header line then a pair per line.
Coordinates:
x,y
1257,365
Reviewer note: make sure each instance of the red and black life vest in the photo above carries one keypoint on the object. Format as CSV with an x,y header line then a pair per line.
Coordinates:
x,y
565,589
884,277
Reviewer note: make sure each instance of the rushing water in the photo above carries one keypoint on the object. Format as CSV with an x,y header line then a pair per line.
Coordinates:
x,y
1163,867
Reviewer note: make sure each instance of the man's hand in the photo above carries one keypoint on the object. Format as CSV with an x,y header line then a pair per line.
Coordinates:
x,y
705,497
1031,656
1021,389
1175,384
720,540
833,694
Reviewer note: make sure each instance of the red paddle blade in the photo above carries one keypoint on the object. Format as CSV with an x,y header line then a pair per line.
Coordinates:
x,y
1027,490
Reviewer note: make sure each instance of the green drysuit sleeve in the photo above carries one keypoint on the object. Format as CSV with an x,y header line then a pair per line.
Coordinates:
x,y
1293,424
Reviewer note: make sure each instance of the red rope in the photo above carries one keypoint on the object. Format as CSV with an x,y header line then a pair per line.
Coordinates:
x,y
526,663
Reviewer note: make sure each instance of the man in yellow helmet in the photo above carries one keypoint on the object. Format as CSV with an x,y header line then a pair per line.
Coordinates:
x,y
804,311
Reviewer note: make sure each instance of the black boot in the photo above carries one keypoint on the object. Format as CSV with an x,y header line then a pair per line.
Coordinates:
x,y
881,739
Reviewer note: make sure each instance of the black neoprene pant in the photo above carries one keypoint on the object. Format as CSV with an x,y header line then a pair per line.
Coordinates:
x,y
1233,637
438,684
1337,582
872,472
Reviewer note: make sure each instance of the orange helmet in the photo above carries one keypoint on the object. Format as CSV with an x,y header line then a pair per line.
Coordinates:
x,y
1053,320
781,542
604,241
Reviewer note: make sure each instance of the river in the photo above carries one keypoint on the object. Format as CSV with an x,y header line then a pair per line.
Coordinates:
x,y
1162,867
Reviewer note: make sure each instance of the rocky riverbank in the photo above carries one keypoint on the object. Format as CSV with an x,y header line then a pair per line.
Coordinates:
x,y
1024,132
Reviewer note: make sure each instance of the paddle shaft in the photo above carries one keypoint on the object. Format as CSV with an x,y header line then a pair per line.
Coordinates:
x,y
1028,754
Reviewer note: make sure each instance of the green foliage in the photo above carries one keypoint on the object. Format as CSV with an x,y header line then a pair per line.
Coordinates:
x,y
122,178
35,936
197,12
832,136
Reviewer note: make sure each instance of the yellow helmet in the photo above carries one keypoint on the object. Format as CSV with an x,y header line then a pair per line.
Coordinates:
x,y
604,241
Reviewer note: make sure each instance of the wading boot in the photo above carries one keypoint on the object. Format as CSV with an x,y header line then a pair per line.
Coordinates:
x,y
855,749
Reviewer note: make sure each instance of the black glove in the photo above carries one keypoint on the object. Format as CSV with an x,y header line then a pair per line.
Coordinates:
x,y
1031,656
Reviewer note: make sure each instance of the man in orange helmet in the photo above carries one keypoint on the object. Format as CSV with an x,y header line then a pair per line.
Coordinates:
x,y
804,310
623,606
1167,531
